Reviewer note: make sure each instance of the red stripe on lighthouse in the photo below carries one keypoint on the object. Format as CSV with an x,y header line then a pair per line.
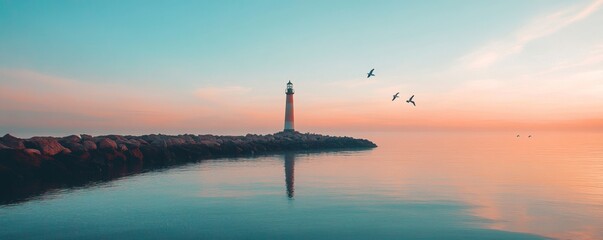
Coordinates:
x,y
289,116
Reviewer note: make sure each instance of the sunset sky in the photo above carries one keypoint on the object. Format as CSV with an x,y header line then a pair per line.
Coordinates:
x,y
134,67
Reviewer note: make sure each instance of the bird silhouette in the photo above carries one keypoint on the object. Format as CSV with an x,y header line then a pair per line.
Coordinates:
x,y
396,96
517,135
530,136
369,74
411,101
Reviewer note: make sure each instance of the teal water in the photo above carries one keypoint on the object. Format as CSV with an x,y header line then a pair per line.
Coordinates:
x,y
413,186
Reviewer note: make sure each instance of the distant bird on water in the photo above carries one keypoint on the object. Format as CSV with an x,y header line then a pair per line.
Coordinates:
x,y
396,96
517,135
530,136
369,74
411,101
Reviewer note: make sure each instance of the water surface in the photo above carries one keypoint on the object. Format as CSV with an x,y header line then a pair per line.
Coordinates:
x,y
413,186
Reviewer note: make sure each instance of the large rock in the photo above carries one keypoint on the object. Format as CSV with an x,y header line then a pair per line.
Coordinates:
x,y
70,139
76,147
174,141
115,137
86,137
89,145
188,139
159,143
31,151
122,147
106,144
47,145
141,141
135,154
12,142
2,146
130,143
210,143
164,141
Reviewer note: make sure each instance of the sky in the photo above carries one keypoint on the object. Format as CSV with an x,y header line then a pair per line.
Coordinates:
x,y
220,67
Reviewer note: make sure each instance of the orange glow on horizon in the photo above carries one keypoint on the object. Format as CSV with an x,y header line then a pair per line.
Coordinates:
x,y
65,103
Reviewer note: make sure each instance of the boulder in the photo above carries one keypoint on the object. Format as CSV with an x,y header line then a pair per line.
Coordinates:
x,y
188,139
70,139
122,147
174,141
66,151
32,151
12,142
135,154
141,142
86,137
47,145
89,145
210,143
130,143
159,143
107,143
76,147
116,137
2,146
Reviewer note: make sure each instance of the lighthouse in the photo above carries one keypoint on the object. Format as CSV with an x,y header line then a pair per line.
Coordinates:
x,y
289,127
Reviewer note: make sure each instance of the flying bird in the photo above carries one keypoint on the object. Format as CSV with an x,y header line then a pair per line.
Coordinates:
x,y
411,101
396,96
369,74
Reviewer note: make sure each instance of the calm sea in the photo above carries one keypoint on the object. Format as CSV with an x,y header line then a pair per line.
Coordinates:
x,y
413,186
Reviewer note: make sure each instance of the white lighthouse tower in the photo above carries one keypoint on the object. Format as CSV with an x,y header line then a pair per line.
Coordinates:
x,y
289,119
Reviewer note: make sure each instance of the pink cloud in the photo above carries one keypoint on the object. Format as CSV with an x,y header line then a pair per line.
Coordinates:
x,y
538,28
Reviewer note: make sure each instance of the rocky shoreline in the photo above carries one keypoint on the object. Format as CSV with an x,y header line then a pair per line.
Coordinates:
x,y
32,166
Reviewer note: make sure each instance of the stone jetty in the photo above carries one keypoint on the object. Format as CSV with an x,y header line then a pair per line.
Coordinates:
x,y
28,166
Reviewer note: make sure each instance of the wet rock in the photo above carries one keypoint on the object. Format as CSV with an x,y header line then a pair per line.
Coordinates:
x,y
86,137
76,147
210,143
89,145
122,147
188,139
116,137
141,142
159,143
129,143
170,141
135,154
12,142
106,144
47,145
31,151
70,139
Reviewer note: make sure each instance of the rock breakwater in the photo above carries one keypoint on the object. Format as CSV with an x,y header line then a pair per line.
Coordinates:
x,y
29,166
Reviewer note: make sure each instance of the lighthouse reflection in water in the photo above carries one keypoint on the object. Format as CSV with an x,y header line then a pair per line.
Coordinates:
x,y
290,174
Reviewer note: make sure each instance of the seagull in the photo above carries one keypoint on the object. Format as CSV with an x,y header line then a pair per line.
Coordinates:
x,y
369,74
396,96
411,101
